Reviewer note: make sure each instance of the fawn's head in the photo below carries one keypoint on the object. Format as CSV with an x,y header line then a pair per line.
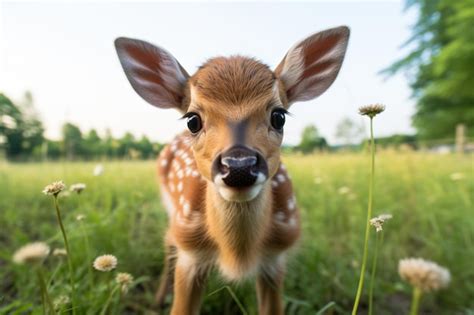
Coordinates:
x,y
235,107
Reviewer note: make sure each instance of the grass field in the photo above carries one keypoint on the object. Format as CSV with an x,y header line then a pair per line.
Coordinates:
x,y
432,212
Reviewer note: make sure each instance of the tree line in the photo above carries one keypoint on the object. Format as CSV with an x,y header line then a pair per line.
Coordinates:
x,y
22,138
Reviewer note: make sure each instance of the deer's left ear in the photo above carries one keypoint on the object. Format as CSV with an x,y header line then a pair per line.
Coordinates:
x,y
311,66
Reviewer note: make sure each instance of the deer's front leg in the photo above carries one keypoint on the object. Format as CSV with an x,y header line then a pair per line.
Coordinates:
x,y
270,287
189,284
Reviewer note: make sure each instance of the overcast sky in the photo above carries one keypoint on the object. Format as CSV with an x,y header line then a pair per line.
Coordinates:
x,y
64,54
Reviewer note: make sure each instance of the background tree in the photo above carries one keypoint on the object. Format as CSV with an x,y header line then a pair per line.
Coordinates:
x,y
349,131
20,128
145,147
126,145
440,66
311,140
92,145
72,140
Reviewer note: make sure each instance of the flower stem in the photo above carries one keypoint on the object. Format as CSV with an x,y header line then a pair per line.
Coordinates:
x,y
44,291
415,301
372,275
367,224
109,299
88,254
69,259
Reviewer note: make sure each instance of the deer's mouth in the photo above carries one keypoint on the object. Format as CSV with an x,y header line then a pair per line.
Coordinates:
x,y
239,194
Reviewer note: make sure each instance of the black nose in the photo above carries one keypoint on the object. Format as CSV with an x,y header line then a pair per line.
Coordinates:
x,y
239,166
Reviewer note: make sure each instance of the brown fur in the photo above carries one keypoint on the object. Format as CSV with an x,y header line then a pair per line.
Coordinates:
x,y
233,80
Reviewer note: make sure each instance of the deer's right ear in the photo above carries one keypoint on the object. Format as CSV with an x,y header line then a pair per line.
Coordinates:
x,y
311,66
153,72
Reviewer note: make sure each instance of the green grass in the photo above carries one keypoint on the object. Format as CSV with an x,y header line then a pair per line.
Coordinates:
x,y
433,219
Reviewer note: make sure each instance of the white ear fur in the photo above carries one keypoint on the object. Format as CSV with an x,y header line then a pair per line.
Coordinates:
x,y
311,66
153,72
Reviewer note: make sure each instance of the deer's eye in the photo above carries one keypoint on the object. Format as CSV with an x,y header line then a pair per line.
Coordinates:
x,y
194,122
278,119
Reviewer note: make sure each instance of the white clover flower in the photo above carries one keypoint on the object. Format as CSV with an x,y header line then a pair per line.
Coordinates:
x,y
59,252
78,188
456,176
80,217
105,263
54,189
31,253
65,193
124,280
378,221
98,170
423,274
318,180
344,190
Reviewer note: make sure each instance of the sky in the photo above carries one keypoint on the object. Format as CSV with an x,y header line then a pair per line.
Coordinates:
x,y
63,53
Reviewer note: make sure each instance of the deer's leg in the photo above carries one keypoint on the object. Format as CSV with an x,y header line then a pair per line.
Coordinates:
x,y
270,287
166,281
189,284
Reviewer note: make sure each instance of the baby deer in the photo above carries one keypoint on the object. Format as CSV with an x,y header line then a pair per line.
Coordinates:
x,y
229,199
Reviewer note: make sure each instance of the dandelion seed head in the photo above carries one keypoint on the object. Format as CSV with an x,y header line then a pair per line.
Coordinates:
x,y
31,253
80,217
54,189
378,221
78,188
59,252
371,110
105,263
423,274
124,280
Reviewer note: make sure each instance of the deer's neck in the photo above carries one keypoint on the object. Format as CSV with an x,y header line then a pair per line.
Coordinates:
x,y
238,229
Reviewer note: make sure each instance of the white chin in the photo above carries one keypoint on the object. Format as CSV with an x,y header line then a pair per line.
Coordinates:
x,y
239,195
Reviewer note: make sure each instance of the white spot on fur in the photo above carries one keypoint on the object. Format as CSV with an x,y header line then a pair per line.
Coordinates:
x,y
186,209
181,200
195,173
180,186
292,221
180,174
280,216
164,162
281,178
188,171
291,203
167,202
175,165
